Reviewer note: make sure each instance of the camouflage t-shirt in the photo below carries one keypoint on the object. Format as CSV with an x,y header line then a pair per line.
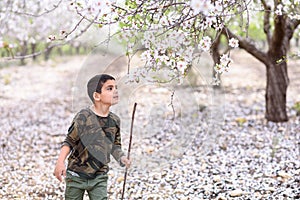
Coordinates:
x,y
92,139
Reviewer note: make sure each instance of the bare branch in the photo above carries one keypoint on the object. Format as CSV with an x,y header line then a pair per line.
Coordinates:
x,y
75,27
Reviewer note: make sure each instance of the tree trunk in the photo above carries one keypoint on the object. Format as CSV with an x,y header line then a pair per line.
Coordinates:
x,y
23,52
33,48
47,53
77,50
276,89
277,74
275,60
59,51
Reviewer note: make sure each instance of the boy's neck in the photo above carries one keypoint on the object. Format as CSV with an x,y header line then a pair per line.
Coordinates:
x,y
100,110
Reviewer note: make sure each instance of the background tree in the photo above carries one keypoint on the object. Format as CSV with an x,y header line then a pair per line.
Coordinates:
x,y
190,22
32,28
279,25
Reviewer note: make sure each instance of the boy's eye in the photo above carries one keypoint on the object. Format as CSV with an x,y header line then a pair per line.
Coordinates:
x,y
111,87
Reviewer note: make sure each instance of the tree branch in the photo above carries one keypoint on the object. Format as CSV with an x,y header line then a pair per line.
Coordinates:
x,y
246,45
295,23
267,26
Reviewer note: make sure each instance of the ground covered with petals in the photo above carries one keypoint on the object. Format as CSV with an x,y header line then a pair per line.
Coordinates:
x,y
220,150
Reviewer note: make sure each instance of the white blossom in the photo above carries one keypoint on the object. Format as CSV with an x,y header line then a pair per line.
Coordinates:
x,y
234,43
189,53
218,6
223,66
146,55
219,68
295,16
201,6
164,21
205,44
163,59
278,10
181,66
225,58
51,38
286,2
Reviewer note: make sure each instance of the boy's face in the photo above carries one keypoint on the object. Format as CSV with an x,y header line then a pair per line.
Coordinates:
x,y
109,93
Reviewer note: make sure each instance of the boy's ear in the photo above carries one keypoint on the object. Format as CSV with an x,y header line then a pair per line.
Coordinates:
x,y
96,96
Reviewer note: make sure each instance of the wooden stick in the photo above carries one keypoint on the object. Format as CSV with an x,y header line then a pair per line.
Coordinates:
x,y
129,148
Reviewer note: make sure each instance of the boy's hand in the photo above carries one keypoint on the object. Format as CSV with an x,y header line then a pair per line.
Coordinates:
x,y
60,170
125,161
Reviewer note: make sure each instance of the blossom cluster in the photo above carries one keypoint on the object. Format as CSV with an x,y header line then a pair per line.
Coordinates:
x,y
223,66
234,43
174,48
205,44
171,32
171,50
202,6
23,23
210,8
288,7
92,7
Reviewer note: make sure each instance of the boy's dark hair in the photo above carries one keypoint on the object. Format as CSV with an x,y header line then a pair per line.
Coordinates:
x,y
96,83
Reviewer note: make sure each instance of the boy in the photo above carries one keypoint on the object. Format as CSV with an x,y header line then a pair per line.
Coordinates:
x,y
93,135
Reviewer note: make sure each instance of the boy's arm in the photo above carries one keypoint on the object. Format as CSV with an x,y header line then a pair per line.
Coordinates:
x,y
60,168
117,152
68,144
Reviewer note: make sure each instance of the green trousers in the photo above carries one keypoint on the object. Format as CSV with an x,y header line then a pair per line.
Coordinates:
x,y
76,186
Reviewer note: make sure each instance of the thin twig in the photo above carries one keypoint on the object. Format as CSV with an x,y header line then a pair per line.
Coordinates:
x,y
172,105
